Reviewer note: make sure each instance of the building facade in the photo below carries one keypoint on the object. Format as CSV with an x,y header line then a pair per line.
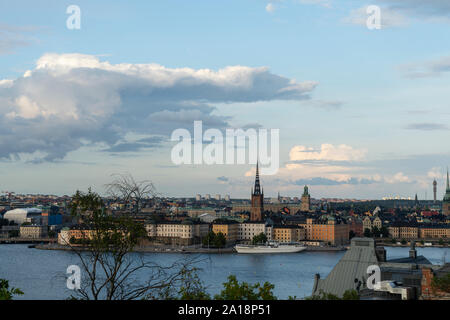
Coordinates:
x,y
247,230
229,228
177,232
330,231
288,233
33,231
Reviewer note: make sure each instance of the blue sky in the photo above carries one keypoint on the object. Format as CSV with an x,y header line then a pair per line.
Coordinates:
x,y
370,117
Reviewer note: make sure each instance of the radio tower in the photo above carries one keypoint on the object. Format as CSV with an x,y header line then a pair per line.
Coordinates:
x,y
435,190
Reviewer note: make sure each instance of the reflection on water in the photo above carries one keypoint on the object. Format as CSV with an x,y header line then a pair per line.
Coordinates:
x,y
41,273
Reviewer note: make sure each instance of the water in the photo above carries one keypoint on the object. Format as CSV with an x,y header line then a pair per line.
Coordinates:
x,y
41,273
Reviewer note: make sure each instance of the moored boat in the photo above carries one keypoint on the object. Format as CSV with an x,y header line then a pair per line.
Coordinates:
x,y
269,248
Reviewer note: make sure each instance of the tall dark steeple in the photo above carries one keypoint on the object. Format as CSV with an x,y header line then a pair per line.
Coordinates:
x,y
446,201
257,190
257,208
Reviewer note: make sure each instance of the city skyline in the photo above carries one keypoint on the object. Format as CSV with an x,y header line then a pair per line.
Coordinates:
x,y
362,114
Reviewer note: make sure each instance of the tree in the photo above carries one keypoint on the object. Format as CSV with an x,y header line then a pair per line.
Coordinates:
x,y
376,232
384,232
442,283
109,265
125,188
6,293
403,241
351,234
233,290
259,238
208,240
348,295
367,233
220,240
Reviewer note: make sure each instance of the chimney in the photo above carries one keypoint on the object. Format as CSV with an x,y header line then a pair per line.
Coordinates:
x,y
381,254
413,251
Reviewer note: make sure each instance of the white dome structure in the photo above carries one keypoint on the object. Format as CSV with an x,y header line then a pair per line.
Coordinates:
x,y
22,215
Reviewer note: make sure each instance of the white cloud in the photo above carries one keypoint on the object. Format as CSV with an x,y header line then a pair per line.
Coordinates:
x,y
327,152
436,173
399,177
270,7
323,3
71,99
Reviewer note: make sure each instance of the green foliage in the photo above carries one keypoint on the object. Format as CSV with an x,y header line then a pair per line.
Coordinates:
x,y
104,232
52,234
233,290
351,234
214,240
323,296
441,241
442,283
13,233
259,238
375,232
208,240
6,293
403,241
220,241
367,233
189,287
348,295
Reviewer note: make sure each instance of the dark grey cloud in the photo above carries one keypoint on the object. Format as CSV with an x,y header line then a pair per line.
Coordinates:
x,y
319,181
427,126
435,8
141,144
71,100
426,69
14,37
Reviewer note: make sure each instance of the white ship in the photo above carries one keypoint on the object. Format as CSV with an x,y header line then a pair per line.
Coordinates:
x,y
269,248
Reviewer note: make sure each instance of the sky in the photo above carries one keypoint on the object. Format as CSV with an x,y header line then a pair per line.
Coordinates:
x,y
362,113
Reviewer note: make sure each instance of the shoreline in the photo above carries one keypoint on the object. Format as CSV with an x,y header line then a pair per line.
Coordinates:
x,y
181,250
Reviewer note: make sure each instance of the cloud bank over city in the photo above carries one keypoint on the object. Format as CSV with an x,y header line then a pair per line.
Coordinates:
x,y
85,100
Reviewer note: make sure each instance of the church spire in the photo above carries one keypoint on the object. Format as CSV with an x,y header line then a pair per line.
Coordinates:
x,y
257,189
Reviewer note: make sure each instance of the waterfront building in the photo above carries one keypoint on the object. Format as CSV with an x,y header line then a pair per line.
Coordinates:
x,y
33,231
249,229
229,228
64,236
288,233
184,232
305,200
327,231
257,200
405,231
435,232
